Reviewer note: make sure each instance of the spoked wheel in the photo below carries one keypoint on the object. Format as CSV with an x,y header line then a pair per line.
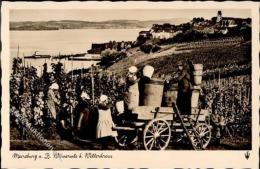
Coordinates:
x,y
200,136
125,138
157,134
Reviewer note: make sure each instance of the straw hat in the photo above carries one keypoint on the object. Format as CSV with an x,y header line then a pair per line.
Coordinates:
x,y
54,86
103,98
132,69
84,95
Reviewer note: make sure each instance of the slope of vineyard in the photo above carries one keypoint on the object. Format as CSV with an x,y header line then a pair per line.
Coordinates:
x,y
225,90
211,53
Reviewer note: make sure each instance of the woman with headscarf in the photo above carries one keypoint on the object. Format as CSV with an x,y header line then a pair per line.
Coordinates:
x,y
53,99
82,117
105,123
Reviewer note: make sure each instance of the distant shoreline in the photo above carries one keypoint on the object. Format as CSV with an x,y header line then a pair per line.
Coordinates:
x,y
76,29
74,24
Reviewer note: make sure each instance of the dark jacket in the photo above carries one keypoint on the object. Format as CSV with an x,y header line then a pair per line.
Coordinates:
x,y
184,91
184,79
86,126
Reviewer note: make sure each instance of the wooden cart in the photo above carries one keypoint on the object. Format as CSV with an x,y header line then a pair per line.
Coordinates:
x,y
156,126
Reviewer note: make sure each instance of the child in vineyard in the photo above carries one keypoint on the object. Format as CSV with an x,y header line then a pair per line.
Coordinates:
x,y
105,122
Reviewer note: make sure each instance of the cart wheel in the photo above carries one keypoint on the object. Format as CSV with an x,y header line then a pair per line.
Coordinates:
x,y
201,136
157,134
125,138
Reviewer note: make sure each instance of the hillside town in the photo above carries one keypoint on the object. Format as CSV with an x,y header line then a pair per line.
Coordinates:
x,y
219,26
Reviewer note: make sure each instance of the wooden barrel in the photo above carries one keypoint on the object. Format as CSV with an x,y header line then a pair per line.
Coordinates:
x,y
197,73
195,97
120,107
171,95
153,93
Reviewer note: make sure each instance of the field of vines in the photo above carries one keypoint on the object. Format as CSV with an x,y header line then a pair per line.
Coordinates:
x,y
226,89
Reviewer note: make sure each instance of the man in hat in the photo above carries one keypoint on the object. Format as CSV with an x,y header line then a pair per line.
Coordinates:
x,y
184,88
131,76
145,78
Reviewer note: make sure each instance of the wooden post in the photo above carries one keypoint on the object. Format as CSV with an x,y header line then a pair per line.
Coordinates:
x,y
249,95
24,72
41,71
233,98
92,85
100,75
219,79
240,95
81,76
71,89
18,51
64,65
113,79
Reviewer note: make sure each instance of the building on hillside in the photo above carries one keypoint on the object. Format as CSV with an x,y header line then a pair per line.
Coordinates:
x,y
205,30
230,22
165,34
97,48
164,31
145,34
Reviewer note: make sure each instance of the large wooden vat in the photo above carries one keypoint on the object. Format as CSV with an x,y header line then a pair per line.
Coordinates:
x,y
120,107
153,93
195,96
170,96
197,74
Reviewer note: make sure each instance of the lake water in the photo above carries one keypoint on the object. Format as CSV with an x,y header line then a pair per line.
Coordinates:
x,y
70,41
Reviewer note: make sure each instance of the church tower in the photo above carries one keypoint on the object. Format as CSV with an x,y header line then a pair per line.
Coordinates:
x,y
219,16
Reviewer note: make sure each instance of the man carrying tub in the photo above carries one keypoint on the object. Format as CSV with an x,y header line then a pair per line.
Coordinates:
x,y
131,98
184,88
146,77
132,95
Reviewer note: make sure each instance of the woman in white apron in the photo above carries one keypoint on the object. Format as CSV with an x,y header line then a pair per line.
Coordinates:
x,y
105,123
53,100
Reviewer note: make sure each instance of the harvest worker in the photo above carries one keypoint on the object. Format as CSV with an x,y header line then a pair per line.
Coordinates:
x,y
53,99
82,116
131,98
184,88
64,129
105,123
146,77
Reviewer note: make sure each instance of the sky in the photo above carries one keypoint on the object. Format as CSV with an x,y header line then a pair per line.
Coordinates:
x,y
117,14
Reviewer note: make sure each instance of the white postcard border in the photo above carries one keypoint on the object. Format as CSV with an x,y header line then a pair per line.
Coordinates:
x,y
151,159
